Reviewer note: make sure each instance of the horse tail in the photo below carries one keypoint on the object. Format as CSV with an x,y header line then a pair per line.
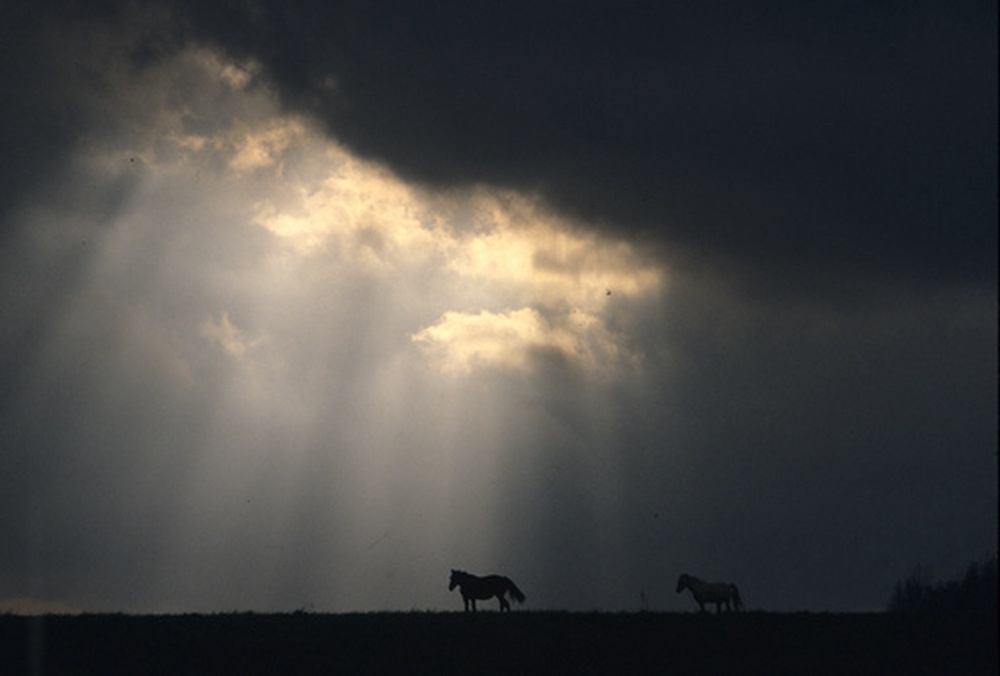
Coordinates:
x,y
515,593
737,601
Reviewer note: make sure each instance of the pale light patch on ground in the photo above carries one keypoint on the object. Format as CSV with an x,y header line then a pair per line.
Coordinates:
x,y
26,605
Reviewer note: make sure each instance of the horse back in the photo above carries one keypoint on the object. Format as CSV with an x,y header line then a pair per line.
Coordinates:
x,y
484,587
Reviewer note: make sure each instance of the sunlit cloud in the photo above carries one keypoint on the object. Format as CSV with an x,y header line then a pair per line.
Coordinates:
x,y
356,210
523,280
245,147
262,148
224,334
517,242
464,342
237,76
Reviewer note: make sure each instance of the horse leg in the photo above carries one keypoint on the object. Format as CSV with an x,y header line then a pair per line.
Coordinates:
x,y
473,600
503,603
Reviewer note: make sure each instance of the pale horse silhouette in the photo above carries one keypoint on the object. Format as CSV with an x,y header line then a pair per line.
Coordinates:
x,y
719,593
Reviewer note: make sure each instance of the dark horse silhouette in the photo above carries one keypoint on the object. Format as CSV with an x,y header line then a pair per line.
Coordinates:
x,y
720,593
473,587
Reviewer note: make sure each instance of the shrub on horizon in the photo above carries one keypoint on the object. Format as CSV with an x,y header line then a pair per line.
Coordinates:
x,y
973,592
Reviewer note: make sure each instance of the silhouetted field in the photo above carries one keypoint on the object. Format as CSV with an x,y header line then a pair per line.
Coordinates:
x,y
488,642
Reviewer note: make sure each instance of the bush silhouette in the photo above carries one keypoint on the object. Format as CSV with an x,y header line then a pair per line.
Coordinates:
x,y
972,593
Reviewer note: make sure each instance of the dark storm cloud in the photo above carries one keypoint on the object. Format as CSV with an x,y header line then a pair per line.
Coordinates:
x,y
802,145
799,146
34,137
55,73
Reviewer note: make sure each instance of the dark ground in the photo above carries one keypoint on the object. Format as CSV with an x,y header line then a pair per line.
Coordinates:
x,y
488,642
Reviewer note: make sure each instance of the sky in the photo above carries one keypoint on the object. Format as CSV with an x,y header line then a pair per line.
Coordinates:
x,y
306,303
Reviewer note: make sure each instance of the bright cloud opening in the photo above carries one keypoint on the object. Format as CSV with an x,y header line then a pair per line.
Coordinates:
x,y
465,342
521,280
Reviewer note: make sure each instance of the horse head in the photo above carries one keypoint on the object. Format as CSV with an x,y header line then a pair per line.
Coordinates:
x,y
453,582
682,582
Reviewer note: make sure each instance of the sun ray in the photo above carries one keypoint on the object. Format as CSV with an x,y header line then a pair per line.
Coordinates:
x,y
349,345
